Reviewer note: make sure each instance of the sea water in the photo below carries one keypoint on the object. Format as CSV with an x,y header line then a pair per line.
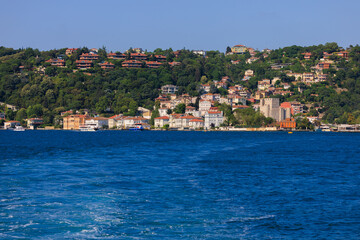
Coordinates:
x,y
179,185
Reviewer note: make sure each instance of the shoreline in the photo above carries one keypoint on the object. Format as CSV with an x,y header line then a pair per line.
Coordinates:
x,y
205,130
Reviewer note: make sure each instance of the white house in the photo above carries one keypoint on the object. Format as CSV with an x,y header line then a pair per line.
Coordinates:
x,y
11,124
96,122
130,122
112,122
192,111
161,121
204,106
196,123
163,112
169,89
213,119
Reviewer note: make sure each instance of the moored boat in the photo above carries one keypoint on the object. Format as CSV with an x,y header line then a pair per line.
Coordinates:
x,y
19,129
84,128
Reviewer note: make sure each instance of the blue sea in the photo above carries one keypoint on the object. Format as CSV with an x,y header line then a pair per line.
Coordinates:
x,y
179,185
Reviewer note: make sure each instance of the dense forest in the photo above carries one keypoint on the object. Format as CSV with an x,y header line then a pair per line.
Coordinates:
x,y
38,89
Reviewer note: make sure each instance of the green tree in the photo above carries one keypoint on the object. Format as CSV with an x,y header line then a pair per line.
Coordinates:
x,y
21,115
180,108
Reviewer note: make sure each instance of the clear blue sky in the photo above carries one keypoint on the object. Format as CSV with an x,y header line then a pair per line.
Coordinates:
x,y
196,24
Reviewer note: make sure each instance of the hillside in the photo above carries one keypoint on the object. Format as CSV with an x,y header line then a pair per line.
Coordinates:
x,y
325,78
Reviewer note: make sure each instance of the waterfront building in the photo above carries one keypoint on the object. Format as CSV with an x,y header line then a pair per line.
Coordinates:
x,y
97,122
112,121
133,121
33,123
196,123
73,122
270,107
288,124
11,124
213,119
159,122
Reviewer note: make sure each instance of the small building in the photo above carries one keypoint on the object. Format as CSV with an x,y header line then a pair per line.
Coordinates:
x,y
288,124
160,58
89,56
264,84
34,123
56,62
107,65
2,115
172,64
133,121
145,113
239,49
131,64
11,124
169,89
249,73
160,122
84,64
343,54
138,56
204,106
205,87
70,51
308,77
252,60
322,65
116,56
307,55
153,64
199,52
196,123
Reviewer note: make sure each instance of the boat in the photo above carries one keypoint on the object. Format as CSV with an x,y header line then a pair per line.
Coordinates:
x,y
290,132
137,127
84,128
19,129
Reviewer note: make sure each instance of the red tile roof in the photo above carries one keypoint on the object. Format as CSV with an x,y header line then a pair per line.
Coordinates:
x,y
163,117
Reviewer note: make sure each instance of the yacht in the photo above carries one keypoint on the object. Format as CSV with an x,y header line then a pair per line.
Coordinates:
x,y
19,129
84,128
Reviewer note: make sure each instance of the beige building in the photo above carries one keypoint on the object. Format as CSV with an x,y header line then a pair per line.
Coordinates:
x,y
73,122
270,107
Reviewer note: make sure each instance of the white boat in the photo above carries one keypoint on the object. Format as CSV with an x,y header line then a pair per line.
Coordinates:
x,y
86,129
19,129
